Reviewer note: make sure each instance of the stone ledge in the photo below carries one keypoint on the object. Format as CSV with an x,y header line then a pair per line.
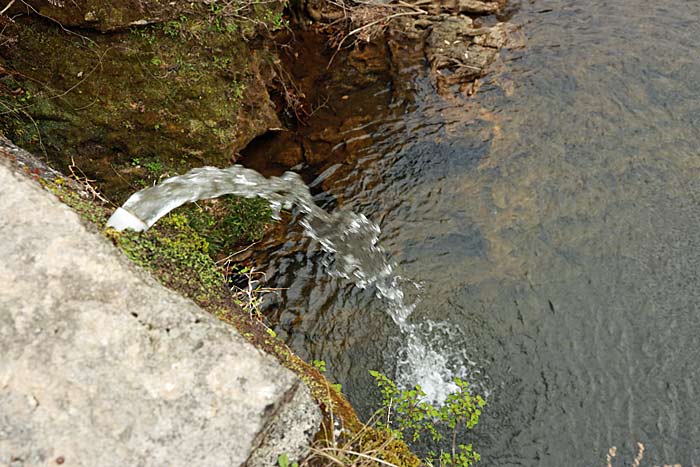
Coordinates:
x,y
101,365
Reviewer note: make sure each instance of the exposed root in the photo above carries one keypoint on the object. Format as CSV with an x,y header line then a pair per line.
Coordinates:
x,y
373,23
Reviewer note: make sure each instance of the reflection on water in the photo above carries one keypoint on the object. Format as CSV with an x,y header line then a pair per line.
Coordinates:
x,y
555,238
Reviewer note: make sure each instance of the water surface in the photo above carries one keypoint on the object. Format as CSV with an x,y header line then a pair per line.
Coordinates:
x,y
554,238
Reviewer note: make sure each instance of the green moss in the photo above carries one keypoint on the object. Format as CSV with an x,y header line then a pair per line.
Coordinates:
x,y
386,446
177,255
177,252
174,252
182,94
229,221
83,204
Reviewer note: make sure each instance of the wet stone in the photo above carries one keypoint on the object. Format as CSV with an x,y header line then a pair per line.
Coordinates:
x,y
461,53
476,7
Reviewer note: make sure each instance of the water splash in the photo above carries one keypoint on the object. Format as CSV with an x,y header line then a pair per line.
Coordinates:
x,y
432,354
350,237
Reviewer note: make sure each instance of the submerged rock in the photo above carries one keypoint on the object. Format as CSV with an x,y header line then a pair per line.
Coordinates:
x,y
448,33
478,7
475,7
460,52
458,49
100,365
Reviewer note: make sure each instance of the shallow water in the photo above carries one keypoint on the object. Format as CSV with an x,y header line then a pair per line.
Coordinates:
x,y
554,238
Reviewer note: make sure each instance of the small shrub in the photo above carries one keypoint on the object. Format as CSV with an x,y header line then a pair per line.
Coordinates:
x,y
407,415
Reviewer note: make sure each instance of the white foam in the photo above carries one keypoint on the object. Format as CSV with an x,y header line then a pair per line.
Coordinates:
x,y
123,219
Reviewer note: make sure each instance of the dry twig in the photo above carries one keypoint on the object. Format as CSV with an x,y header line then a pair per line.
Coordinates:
x,y
79,176
7,7
371,27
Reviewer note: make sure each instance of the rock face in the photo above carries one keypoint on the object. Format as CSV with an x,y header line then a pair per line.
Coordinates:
x,y
100,365
107,16
138,104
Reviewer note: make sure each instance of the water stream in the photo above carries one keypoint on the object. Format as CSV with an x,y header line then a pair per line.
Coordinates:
x,y
553,234
349,238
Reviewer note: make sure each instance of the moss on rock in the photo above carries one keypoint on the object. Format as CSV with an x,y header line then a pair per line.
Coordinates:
x,y
229,222
188,92
177,252
174,250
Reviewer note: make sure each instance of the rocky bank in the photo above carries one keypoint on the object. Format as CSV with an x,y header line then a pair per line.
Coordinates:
x,y
101,365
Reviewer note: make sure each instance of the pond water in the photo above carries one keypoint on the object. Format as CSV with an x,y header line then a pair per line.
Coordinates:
x,y
551,224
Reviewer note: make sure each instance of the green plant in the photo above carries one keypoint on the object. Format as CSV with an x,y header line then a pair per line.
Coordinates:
x,y
26,97
230,221
275,19
154,167
177,255
283,461
221,63
238,89
172,28
144,34
320,365
219,22
406,414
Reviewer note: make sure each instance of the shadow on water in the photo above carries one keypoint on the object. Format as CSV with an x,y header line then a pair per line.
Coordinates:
x,y
553,232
